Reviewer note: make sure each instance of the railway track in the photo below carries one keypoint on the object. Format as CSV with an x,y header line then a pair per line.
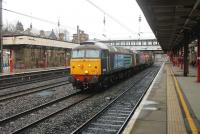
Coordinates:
x,y
14,84
117,113
21,122
29,78
13,95
56,106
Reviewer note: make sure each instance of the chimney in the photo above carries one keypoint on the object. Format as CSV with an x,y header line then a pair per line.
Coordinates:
x,y
42,34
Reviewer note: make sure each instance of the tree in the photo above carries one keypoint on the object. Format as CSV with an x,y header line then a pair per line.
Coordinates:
x,y
8,28
52,35
19,27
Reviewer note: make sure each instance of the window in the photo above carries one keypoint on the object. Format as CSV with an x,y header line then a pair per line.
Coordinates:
x,y
92,53
85,53
78,53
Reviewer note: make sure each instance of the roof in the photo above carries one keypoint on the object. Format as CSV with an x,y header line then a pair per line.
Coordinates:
x,y
100,46
31,40
174,22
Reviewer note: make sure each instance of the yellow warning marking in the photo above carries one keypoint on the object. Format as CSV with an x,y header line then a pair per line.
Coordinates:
x,y
184,105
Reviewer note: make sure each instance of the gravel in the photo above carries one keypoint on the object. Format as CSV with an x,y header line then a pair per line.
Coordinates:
x,y
69,120
66,121
23,103
32,85
39,114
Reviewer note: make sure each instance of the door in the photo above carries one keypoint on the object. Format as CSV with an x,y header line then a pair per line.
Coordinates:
x,y
105,61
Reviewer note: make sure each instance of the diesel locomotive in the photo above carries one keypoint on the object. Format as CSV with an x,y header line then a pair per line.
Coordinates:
x,y
95,64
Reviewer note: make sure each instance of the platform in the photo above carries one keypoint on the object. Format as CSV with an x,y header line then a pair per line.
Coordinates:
x,y
22,71
171,105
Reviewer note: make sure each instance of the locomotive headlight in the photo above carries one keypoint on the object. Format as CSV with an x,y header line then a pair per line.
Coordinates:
x,y
86,71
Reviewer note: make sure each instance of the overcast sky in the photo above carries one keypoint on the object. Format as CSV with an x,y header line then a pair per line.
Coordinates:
x,y
80,12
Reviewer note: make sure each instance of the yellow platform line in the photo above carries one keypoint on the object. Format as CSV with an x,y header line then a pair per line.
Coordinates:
x,y
189,118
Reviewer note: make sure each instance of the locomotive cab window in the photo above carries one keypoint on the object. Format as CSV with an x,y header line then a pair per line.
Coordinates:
x,y
85,53
78,53
104,54
92,53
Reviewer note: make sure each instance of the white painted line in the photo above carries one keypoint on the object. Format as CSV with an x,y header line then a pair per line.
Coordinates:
x,y
133,119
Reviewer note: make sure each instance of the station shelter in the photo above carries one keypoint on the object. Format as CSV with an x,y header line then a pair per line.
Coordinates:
x,y
29,52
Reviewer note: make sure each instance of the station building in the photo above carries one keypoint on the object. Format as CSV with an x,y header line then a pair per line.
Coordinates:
x,y
27,52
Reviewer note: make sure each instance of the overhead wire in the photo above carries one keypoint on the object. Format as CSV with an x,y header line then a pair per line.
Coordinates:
x,y
56,23
37,18
110,16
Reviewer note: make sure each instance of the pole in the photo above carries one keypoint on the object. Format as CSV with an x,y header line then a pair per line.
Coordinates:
x,y
78,35
181,58
173,59
139,33
1,42
11,60
198,60
178,58
185,59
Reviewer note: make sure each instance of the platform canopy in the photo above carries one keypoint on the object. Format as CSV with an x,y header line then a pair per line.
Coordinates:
x,y
174,22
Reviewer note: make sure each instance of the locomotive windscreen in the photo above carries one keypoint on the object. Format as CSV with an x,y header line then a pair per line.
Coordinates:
x,y
92,53
85,53
78,53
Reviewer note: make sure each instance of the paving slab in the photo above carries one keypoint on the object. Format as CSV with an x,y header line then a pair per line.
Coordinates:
x,y
161,112
191,90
